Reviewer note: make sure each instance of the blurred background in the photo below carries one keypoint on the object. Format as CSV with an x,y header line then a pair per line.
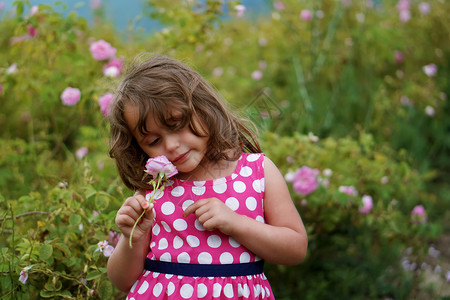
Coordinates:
x,y
348,96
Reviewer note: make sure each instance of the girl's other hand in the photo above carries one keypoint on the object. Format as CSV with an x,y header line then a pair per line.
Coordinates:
x,y
213,214
130,211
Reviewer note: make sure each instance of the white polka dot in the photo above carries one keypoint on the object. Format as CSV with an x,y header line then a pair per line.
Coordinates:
x,y
251,203
220,188
165,257
202,290
143,288
186,204
177,242
198,190
199,183
152,244
226,258
186,291
257,185
177,191
233,242
204,258
239,186
217,289
267,291
180,224
156,274
246,171
158,194
134,286
170,288
199,226
233,176
263,185
244,258
184,258
246,291
257,289
163,244
167,208
214,241
166,226
232,203
156,229
259,219
193,241
252,157
146,273
157,289
263,292
240,290
228,291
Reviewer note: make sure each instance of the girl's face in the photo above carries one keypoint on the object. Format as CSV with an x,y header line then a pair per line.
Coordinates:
x,y
182,147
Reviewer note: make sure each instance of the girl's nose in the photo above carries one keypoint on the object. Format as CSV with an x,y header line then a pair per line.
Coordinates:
x,y
171,142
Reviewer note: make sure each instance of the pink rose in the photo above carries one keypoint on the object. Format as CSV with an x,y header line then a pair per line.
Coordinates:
x,y
23,276
82,152
305,180
430,70
102,50
257,75
306,15
367,204
105,102
70,96
32,31
418,214
278,5
160,164
349,190
113,68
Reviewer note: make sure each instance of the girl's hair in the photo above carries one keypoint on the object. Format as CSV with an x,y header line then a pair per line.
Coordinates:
x,y
161,85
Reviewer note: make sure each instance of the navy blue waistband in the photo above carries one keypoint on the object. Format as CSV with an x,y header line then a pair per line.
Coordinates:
x,y
205,270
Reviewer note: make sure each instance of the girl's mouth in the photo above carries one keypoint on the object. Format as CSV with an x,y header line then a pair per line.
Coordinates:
x,y
180,159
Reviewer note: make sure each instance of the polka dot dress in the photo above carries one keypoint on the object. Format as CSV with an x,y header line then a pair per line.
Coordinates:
x,y
184,240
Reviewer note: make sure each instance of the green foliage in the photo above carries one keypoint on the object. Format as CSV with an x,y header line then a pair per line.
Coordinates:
x,y
334,77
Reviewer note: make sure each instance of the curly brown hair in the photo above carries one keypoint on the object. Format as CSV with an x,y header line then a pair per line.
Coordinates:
x,y
161,85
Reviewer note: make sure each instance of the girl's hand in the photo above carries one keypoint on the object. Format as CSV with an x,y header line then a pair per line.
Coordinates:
x,y
213,214
130,212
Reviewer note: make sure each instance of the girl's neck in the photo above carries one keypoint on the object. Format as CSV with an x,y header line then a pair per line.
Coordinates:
x,y
210,170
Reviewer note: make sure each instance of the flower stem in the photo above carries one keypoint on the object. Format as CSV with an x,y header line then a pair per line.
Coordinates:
x,y
130,243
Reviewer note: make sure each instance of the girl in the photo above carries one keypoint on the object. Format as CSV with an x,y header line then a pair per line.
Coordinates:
x,y
226,211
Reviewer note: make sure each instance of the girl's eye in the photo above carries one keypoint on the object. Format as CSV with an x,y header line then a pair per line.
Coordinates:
x,y
154,142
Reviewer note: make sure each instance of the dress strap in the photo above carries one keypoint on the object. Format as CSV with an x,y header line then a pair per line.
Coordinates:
x,y
205,270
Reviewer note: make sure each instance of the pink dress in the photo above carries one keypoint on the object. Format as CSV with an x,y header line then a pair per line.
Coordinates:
x,y
184,240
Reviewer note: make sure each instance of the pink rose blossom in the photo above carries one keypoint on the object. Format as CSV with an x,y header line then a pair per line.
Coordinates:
x,y
240,10
305,180
418,214
398,57
349,190
429,110
82,152
113,237
12,69
32,31
424,8
403,5
430,70
404,16
405,101
160,164
257,75
105,248
105,102
384,180
306,15
114,65
278,5
367,204
70,96
102,50
96,4
34,10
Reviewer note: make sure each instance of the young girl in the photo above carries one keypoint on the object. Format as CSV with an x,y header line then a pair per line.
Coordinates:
x,y
226,211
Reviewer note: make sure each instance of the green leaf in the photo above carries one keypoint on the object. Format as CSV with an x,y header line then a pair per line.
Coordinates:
x,y
105,290
75,220
46,251
47,294
93,275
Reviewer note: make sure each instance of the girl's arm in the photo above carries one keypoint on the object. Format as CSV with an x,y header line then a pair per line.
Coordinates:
x,y
281,240
126,264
